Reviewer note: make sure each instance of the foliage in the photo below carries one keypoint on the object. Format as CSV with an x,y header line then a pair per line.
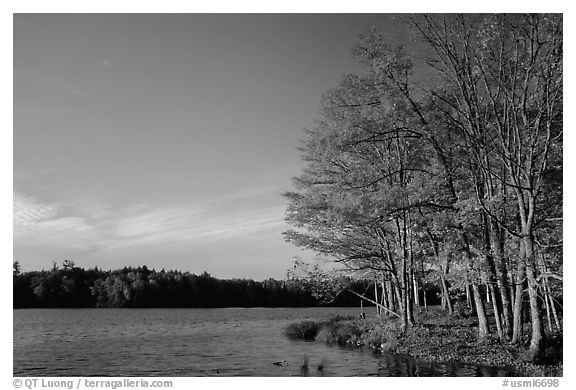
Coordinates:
x,y
71,286
444,169
306,330
437,337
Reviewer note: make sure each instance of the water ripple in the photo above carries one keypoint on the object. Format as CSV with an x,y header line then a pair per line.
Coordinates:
x,y
195,342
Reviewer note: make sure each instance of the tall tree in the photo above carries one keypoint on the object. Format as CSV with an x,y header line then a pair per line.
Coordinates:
x,y
505,74
465,144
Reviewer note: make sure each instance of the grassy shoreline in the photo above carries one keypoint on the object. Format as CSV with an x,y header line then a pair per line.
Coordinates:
x,y
435,337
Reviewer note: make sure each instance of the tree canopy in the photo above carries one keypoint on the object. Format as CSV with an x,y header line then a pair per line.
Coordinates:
x,y
445,168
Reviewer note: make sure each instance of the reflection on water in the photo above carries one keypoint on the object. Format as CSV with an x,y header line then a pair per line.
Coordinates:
x,y
197,342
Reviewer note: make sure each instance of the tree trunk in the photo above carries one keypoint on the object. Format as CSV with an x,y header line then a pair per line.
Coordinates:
x,y
548,313
364,298
518,298
483,329
446,302
384,298
548,297
445,293
496,313
491,296
553,306
407,317
409,309
423,285
506,305
537,339
469,297
408,301
402,310
512,283
501,278
391,294
415,284
376,299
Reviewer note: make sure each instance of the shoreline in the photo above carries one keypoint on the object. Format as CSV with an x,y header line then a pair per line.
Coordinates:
x,y
436,337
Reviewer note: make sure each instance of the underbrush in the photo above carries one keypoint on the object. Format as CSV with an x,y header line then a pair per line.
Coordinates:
x,y
435,336
341,332
309,330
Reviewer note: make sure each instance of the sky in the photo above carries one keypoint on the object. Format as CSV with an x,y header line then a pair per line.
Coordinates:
x,y
167,140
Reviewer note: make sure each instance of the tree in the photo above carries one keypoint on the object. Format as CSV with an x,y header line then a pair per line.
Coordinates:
x,y
68,264
16,268
358,198
505,74
456,165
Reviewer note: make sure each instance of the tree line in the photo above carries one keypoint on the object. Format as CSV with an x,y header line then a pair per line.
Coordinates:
x,y
75,287
444,168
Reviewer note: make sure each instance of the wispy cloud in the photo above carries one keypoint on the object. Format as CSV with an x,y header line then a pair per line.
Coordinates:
x,y
42,224
190,224
75,90
138,227
46,82
29,214
106,64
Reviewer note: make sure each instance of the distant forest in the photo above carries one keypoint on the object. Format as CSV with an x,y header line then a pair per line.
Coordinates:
x,y
75,287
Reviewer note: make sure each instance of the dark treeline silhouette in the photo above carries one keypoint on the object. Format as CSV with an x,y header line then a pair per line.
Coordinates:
x,y
75,287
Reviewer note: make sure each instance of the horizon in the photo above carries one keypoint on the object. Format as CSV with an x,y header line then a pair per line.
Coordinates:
x,y
152,269
168,139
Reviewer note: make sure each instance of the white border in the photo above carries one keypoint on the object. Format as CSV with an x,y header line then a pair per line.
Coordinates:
x,y
296,6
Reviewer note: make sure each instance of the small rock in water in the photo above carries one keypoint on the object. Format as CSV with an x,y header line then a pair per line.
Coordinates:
x,y
321,366
304,366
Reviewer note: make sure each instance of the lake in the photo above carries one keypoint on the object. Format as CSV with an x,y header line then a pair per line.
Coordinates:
x,y
197,342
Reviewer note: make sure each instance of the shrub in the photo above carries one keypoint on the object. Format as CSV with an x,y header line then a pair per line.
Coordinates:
x,y
306,330
338,329
383,335
343,332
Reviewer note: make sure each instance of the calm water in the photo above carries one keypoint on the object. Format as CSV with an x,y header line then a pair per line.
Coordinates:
x,y
195,342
